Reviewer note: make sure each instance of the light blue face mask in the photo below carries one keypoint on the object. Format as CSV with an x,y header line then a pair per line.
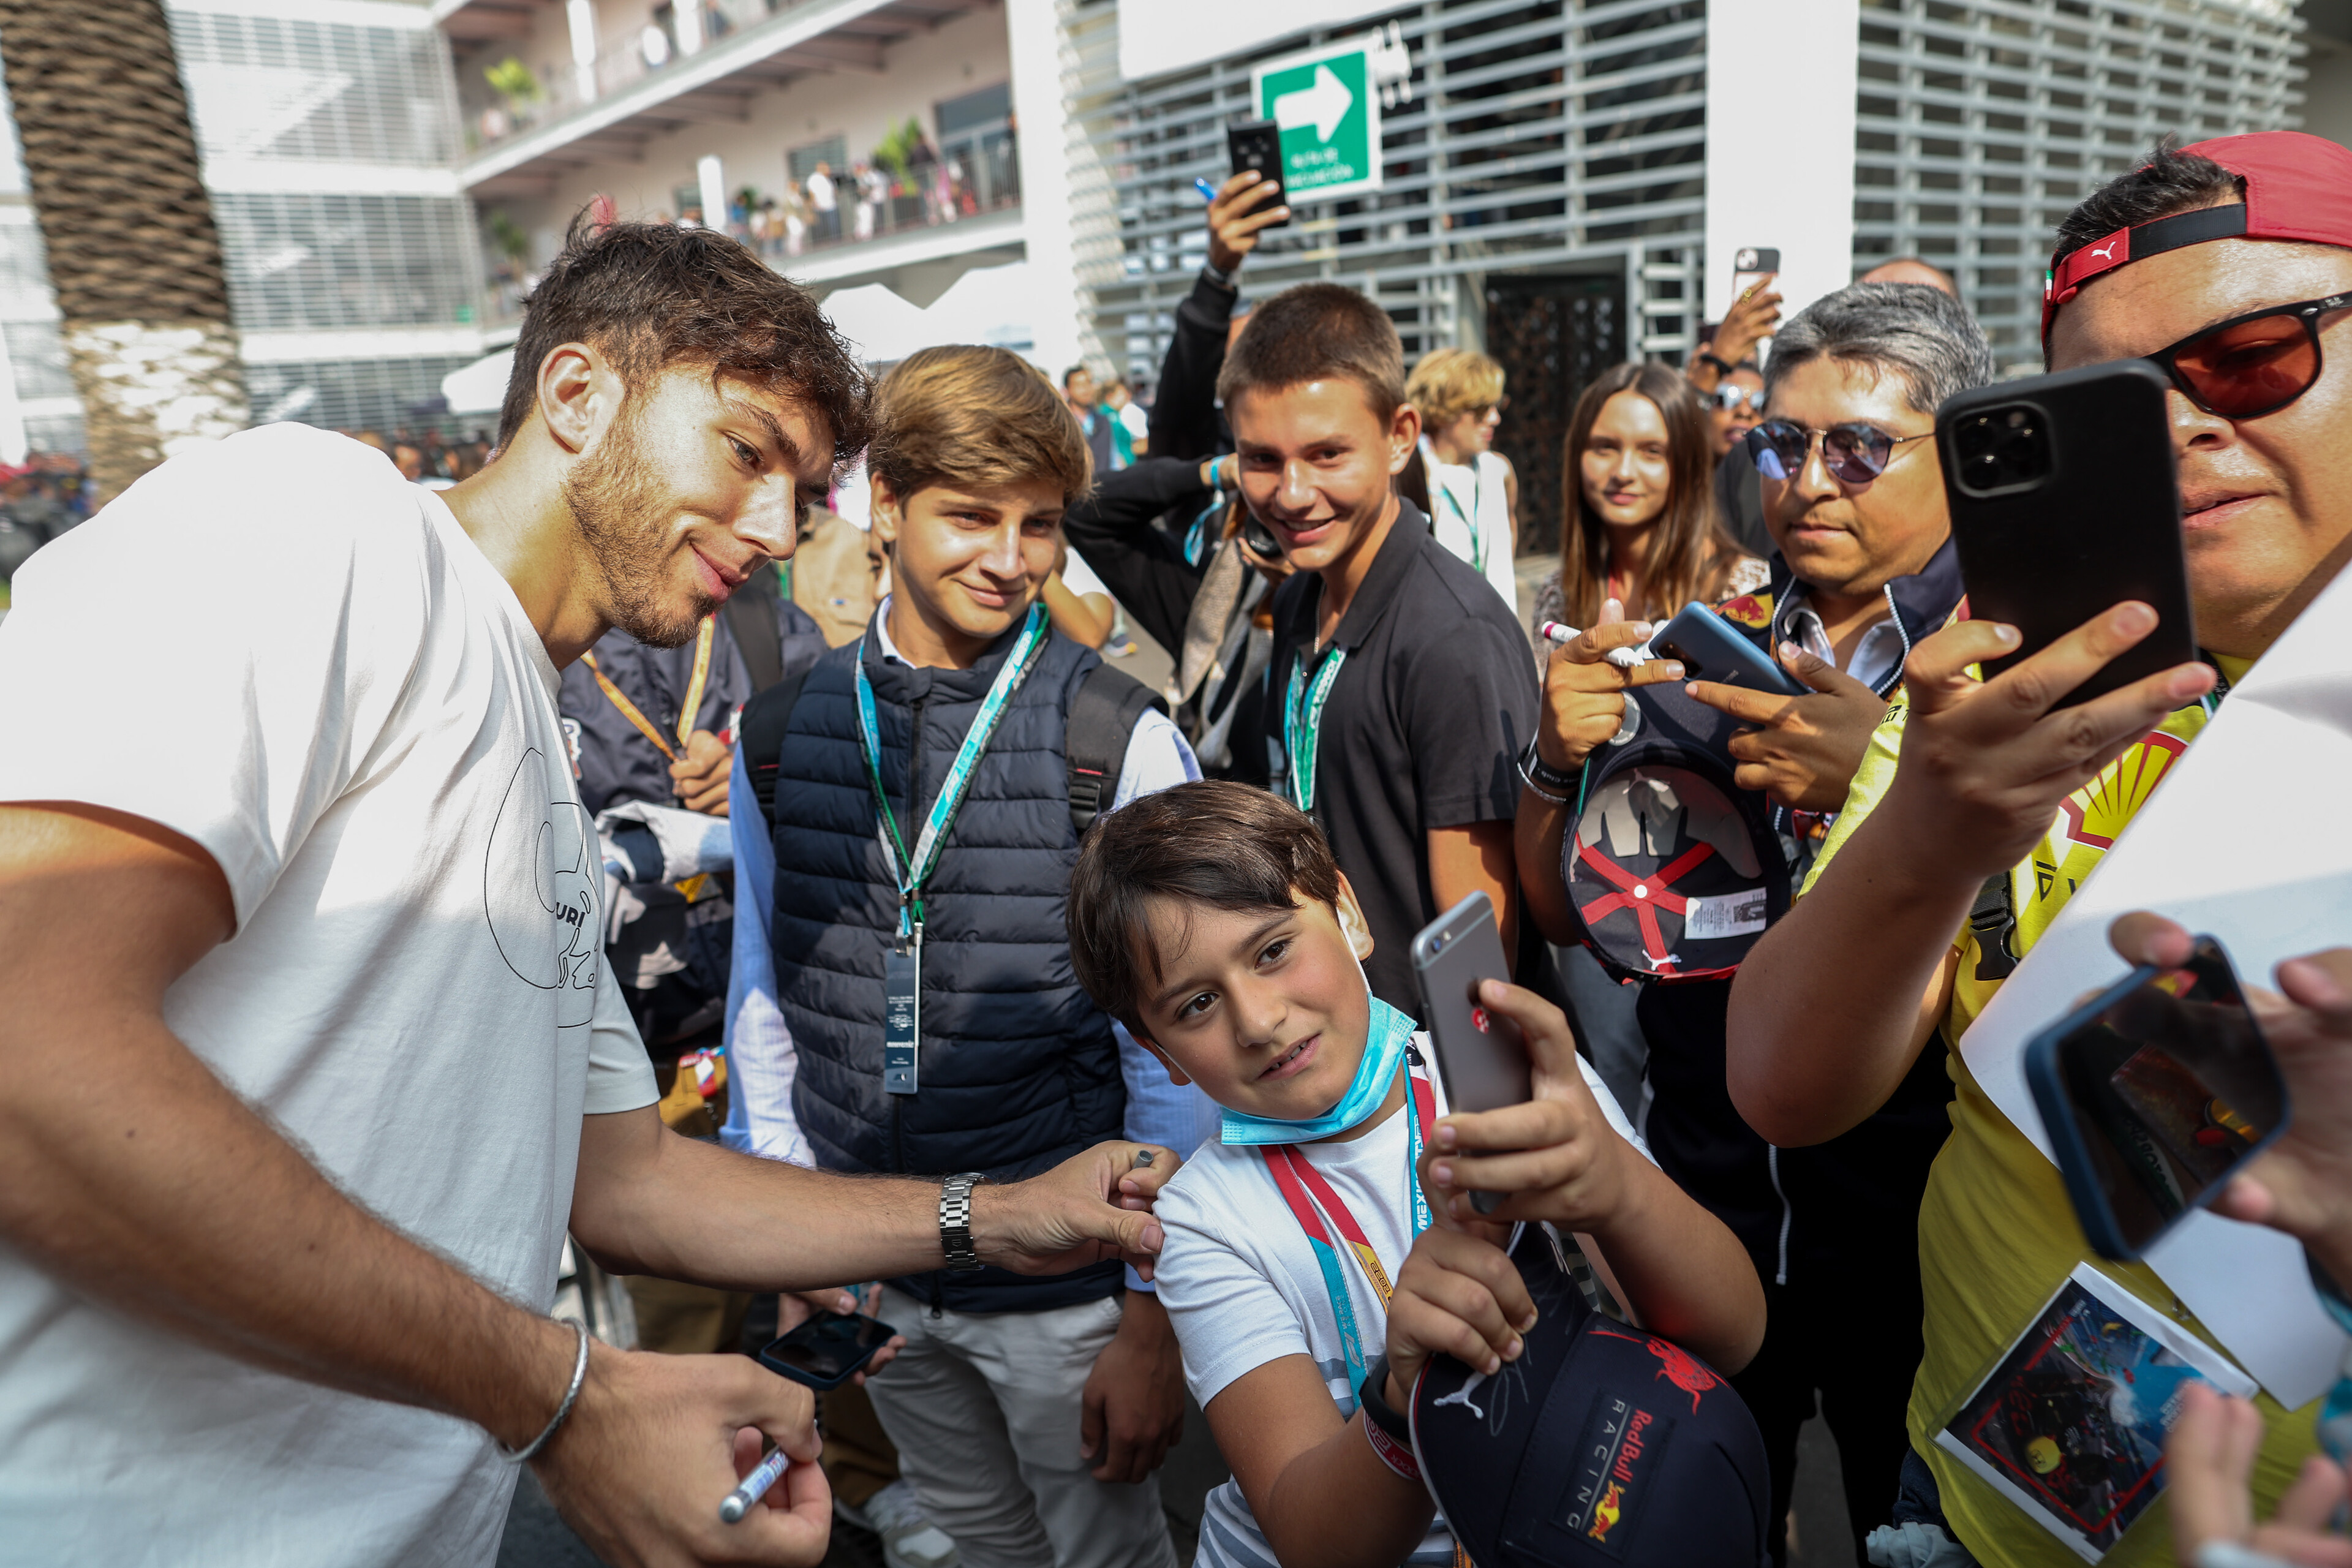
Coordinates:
x,y
1386,1034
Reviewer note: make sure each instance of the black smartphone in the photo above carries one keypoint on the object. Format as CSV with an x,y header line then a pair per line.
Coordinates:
x,y
828,1350
1257,145
1260,538
1482,1058
2154,1094
1710,650
2066,502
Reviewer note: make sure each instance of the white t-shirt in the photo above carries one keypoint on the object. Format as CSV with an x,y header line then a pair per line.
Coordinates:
x,y
1242,1287
278,648
1079,578
1470,512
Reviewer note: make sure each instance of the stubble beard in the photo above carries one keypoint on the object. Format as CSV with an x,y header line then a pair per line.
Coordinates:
x,y
619,505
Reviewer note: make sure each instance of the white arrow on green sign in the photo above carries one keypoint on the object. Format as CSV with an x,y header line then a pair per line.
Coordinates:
x,y
1330,115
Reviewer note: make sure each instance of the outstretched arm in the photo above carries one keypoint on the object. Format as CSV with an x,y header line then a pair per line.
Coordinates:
x,y
171,1200
1832,1005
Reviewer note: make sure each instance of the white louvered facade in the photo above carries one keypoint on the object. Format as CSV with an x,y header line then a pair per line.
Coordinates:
x,y
1979,125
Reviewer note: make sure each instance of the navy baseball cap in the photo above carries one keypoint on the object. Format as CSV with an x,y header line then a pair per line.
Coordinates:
x,y
1601,1447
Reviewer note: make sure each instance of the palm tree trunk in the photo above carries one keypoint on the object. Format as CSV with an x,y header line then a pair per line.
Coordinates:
x,y
111,158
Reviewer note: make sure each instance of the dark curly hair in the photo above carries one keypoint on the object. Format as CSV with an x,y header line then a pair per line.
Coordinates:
x,y
650,295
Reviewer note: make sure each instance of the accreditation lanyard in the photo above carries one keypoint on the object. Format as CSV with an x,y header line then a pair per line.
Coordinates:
x,y
646,726
1320,1212
1439,490
902,965
1302,720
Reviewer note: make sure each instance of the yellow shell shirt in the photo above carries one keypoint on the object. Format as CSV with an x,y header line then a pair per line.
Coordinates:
x,y
1996,1233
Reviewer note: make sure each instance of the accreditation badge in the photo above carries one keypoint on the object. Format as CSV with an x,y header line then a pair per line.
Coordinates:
x,y
902,1007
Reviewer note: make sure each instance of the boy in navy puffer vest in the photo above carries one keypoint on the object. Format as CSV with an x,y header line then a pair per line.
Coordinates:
x,y
921,1014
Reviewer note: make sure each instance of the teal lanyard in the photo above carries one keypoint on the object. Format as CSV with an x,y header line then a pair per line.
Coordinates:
x,y
1470,525
1469,519
911,871
1302,720
1320,1211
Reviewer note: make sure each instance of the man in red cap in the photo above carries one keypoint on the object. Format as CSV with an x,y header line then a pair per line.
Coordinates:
x,y
2229,264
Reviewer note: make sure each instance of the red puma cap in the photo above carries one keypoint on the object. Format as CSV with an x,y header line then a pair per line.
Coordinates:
x,y
2297,187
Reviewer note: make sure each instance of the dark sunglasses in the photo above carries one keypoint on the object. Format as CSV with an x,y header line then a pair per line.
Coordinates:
x,y
2254,364
1855,452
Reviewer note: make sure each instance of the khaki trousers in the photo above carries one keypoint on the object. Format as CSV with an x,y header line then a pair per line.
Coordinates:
x,y
985,1408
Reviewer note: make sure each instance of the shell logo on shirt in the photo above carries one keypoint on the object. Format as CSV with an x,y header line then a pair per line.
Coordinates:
x,y
541,882
2096,813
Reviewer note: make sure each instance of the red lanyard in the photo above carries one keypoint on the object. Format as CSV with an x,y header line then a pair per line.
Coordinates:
x,y
1320,1210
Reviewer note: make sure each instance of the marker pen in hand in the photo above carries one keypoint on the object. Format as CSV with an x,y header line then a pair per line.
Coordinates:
x,y
1208,192
755,1486
1622,658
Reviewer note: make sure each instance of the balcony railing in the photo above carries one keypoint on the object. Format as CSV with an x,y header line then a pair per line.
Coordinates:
x,y
971,176
530,98
976,173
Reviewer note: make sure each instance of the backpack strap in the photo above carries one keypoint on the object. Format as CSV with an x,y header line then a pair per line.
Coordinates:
x,y
1993,917
1104,712
762,729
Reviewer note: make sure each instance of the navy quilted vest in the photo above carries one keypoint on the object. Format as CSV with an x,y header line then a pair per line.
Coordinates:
x,y
1019,1069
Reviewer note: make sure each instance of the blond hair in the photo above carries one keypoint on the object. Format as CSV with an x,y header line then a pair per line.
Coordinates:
x,y
1449,382
977,418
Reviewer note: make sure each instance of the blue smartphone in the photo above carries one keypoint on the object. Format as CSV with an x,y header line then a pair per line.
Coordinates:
x,y
1710,650
2154,1094
828,1350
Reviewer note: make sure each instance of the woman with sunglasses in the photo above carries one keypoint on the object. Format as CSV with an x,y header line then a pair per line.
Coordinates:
x,y
1468,489
1639,524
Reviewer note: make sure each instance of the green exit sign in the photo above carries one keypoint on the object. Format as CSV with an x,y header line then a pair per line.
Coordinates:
x,y
1328,110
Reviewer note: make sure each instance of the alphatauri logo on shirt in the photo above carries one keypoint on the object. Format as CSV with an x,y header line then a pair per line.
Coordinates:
x,y
542,879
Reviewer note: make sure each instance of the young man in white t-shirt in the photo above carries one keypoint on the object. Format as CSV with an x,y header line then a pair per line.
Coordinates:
x,y
1212,920
311,923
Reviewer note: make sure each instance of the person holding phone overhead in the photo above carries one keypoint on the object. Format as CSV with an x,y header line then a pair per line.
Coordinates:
x,y
1326,1245
1863,567
1978,809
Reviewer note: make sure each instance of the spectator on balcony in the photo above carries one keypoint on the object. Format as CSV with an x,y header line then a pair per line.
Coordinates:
x,y
923,177
824,200
873,196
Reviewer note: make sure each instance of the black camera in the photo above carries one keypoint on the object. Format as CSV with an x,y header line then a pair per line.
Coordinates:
x,y
2003,450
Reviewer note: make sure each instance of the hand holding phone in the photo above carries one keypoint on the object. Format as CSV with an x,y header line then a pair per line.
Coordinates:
x,y
1256,146
1481,1058
1560,1154
2066,502
1708,649
2155,1094
828,1350
1755,309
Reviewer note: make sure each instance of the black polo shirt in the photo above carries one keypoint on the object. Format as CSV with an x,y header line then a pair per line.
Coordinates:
x,y
1422,730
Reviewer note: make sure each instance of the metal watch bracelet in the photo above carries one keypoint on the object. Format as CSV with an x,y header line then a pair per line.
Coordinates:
x,y
955,1221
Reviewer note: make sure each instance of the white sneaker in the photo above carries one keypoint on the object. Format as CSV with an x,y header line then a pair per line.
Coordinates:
x,y
909,1540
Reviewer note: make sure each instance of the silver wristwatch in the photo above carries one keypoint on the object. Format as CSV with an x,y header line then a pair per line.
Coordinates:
x,y
955,1221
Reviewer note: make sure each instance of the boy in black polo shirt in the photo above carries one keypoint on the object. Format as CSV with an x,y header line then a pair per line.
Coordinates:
x,y
1402,689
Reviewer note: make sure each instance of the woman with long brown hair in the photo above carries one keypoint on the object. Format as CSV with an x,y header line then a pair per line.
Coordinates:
x,y
1639,523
